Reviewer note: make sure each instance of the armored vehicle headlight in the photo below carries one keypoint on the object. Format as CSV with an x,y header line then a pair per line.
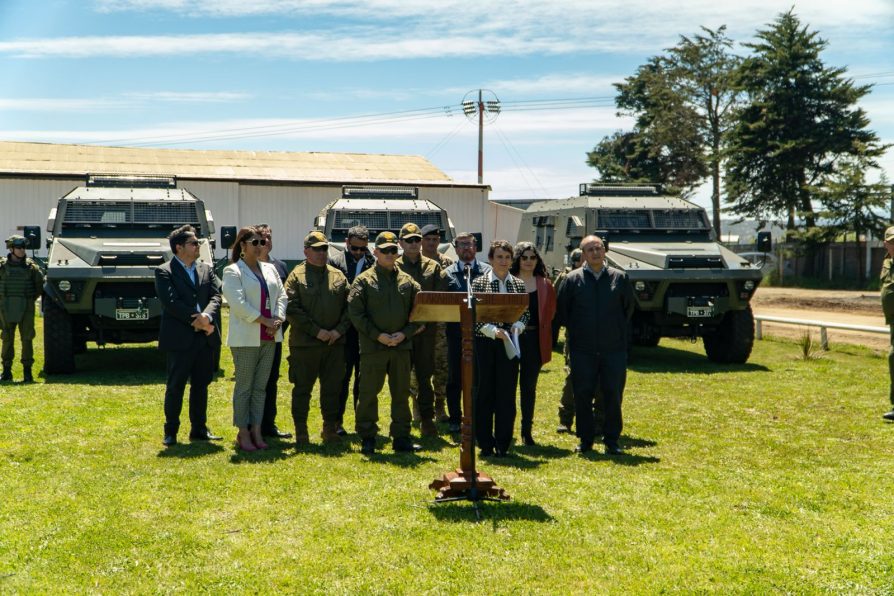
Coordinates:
x,y
639,286
65,285
749,285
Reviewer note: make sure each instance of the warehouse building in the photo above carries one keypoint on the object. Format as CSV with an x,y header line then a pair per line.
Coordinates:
x,y
285,189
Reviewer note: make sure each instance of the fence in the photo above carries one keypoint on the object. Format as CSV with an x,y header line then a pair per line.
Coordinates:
x,y
824,338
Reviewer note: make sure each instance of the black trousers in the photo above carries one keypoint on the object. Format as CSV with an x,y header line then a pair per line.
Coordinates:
x,y
496,378
454,377
195,365
590,375
529,372
268,422
352,367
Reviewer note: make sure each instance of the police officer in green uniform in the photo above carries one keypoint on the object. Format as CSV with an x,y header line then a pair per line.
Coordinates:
x,y
887,291
379,305
431,240
430,277
318,317
21,282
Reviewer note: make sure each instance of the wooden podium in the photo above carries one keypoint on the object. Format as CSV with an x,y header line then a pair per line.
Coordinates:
x,y
466,483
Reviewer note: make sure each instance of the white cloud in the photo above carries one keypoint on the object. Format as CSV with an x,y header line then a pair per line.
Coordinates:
x,y
123,101
190,97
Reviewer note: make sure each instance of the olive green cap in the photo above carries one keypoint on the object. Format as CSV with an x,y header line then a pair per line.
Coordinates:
x,y
386,239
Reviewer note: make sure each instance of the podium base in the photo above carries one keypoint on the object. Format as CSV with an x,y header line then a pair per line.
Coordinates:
x,y
457,486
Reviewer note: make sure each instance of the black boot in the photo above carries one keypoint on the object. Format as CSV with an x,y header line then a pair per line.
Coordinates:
x,y
527,439
28,378
7,374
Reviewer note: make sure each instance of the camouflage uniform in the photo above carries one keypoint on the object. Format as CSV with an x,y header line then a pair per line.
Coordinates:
x,y
441,366
887,293
21,282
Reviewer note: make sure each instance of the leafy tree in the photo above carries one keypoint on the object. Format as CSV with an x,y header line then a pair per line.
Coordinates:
x,y
800,120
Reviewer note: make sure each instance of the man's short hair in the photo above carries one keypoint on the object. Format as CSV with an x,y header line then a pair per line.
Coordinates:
x,y
180,236
359,232
466,236
499,245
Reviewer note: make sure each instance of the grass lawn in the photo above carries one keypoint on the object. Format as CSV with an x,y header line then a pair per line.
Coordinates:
x,y
771,476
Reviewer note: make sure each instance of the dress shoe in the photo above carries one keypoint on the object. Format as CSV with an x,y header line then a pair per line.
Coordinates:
x,y
454,427
888,415
7,374
528,440
487,451
563,428
170,440
203,435
329,434
405,444
368,446
276,433
583,448
28,377
340,431
613,449
501,452
428,429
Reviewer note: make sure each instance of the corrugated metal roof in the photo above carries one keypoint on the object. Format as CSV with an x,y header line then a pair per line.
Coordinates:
x,y
279,166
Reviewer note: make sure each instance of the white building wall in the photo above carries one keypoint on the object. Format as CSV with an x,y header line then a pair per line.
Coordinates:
x,y
27,202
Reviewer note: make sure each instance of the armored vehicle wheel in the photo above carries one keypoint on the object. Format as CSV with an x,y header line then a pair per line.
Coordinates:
x,y
734,338
57,340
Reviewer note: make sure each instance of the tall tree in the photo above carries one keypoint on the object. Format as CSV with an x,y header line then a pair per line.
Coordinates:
x,y
703,72
799,121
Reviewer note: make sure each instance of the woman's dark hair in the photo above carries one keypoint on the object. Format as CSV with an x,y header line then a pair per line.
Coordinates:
x,y
520,249
243,235
499,244
180,236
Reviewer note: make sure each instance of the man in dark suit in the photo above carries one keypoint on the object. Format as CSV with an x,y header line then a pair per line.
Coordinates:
x,y
455,275
352,261
189,292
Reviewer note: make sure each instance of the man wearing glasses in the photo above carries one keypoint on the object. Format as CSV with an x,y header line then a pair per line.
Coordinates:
x,y
379,306
430,277
318,299
466,248
595,303
189,292
354,260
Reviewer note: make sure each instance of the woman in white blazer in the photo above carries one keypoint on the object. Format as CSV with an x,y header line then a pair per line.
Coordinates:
x,y
257,304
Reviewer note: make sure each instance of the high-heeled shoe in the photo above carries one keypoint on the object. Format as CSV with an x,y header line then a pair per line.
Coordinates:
x,y
528,440
259,442
243,442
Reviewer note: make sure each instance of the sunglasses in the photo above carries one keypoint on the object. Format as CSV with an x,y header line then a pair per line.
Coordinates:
x,y
319,248
388,250
256,242
357,248
528,258
412,240
192,242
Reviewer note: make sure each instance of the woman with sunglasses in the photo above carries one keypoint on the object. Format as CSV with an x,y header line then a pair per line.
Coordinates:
x,y
537,341
496,375
257,302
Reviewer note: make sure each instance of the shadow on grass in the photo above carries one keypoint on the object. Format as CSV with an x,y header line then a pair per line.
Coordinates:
x,y
464,511
627,441
190,450
545,451
115,366
626,459
669,359
260,456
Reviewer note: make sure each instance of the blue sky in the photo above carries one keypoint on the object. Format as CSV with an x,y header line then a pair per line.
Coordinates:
x,y
294,75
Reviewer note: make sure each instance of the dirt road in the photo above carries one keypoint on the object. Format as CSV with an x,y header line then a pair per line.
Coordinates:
x,y
855,308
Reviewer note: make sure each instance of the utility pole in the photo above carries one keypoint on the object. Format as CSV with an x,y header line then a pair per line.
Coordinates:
x,y
472,108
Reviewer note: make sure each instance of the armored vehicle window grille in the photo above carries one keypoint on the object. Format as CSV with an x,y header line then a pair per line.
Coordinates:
x,y
165,213
679,219
631,219
374,220
421,219
89,212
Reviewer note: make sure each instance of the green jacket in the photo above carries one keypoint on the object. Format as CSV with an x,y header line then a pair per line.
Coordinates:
x,y
318,299
380,302
887,288
20,285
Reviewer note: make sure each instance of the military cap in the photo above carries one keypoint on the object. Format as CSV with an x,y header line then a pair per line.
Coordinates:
x,y
576,255
889,234
314,239
430,229
386,239
16,241
410,230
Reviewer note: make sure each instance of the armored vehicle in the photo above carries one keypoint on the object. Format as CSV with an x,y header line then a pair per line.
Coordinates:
x,y
105,240
686,283
382,208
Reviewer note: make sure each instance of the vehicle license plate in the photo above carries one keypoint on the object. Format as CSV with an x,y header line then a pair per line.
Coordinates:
x,y
694,312
131,314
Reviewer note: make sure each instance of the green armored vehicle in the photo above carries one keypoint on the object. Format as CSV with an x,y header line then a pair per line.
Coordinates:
x,y
380,209
686,283
105,240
